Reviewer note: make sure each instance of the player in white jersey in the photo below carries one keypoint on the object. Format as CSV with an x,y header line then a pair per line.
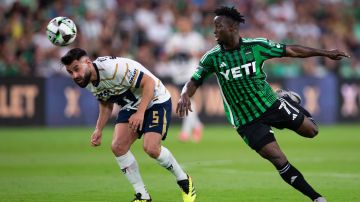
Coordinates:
x,y
145,110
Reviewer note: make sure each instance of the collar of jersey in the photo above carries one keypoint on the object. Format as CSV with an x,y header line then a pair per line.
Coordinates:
x,y
236,48
96,83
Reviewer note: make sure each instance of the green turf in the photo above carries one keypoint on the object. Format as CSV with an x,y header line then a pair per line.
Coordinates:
x,y
57,164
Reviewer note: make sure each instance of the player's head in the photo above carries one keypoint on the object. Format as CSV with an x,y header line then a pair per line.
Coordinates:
x,y
227,22
78,65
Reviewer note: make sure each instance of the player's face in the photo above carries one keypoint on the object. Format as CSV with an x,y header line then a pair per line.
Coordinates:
x,y
223,29
80,72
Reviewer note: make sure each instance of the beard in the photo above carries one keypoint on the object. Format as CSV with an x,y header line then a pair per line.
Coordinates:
x,y
83,82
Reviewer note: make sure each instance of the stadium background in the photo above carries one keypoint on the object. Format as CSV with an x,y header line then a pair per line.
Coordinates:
x,y
35,91
34,86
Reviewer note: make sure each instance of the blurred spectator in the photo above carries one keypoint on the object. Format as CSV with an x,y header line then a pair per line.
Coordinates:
x,y
183,50
141,29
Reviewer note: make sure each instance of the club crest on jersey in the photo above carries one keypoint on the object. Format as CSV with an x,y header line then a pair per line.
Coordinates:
x,y
249,56
237,72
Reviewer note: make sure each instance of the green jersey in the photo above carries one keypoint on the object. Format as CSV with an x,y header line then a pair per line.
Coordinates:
x,y
243,87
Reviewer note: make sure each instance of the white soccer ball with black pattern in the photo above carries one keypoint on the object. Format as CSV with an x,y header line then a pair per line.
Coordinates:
x,y
61,31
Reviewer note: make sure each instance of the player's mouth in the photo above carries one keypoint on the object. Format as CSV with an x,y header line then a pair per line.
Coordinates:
x,y
217,38
79,81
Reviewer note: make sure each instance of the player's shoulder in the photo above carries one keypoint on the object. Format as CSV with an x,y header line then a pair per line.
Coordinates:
x,y
261,41
211,52
214,50
105,61
108,62
254,40
108,66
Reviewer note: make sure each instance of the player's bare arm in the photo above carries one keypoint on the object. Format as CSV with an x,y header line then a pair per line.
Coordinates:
x,y
147,85
184,104
303,52
105,110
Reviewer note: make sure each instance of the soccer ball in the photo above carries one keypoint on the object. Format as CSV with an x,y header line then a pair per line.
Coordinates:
x,y
61,31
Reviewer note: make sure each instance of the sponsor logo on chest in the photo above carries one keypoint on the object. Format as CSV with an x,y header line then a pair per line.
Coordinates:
x,y
238,72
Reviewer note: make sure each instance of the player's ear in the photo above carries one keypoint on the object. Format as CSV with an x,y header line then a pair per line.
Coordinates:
x,y
87,60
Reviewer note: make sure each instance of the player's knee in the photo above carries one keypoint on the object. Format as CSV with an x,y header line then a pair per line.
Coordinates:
x,y
309,133
152,150
308,129
314,131
118,150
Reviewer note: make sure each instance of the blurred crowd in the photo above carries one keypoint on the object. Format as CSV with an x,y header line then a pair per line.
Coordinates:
x,y
168,37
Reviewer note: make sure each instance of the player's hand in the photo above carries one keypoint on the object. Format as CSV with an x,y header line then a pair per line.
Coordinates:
x,y
96,138
136,121
337,55
183,106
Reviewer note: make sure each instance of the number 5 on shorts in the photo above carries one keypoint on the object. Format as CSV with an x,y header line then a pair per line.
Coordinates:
x,y
155,117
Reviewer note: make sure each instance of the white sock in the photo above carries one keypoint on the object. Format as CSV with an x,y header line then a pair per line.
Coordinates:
x,y
130,168
167,160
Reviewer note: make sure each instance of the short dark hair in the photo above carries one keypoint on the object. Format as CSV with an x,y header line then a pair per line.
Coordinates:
x,y
230,12
73,54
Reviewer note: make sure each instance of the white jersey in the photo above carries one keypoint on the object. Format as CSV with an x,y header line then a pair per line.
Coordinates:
x,y
119,82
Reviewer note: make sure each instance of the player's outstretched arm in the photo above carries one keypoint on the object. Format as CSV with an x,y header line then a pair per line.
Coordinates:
x,y
304,52
184,104
105,110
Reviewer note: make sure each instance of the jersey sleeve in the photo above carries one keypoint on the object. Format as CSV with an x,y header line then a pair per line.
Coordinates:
x,y
131,77
204,70
270,49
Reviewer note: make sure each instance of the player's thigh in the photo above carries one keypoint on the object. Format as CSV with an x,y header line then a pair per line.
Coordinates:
x,y
284,114
256,134
273,153
123,138
155,126
157,119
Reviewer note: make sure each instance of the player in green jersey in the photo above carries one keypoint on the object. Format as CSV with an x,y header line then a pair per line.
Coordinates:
x,y
250,104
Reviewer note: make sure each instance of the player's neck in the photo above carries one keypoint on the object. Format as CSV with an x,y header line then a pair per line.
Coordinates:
x,y
232,43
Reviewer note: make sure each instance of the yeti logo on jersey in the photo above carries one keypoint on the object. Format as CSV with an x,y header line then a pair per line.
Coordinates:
x,y
249,68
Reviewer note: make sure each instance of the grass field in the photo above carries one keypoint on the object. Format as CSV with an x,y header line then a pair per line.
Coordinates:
x,y
57,164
